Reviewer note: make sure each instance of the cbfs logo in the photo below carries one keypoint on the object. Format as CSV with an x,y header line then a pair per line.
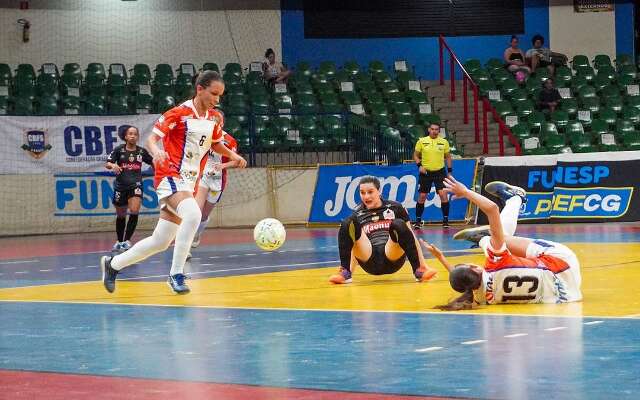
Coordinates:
x,y
92,195
90,143
35,143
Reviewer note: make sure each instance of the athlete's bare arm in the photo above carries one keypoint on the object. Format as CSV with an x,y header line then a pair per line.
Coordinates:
x,y
158,154
487,206
223,150
437,253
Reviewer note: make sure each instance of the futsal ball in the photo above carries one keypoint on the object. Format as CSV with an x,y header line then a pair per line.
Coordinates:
x,y
269,234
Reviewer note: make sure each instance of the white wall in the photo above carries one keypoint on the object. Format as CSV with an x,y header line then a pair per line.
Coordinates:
x,y
126,33
574,33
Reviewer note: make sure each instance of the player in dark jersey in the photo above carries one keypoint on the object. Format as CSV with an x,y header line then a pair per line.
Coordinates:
x,y
126,161
378,237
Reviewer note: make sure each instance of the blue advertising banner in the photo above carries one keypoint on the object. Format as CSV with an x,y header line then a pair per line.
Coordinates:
x,y
90,195
573,187
336,194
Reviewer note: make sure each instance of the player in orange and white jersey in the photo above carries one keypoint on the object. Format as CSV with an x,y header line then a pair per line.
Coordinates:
x,y
187,132
517,269
213,182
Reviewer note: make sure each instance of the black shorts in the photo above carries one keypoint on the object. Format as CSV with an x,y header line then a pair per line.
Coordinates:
x,y
121,197
544,63
379,264
431,177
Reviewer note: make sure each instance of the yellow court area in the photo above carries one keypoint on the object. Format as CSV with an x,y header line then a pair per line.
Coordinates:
x,y
610,276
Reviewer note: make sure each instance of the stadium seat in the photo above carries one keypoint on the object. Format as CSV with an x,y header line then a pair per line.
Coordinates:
x,y
632,114
22,106
604,146
472,66
71,105
579,61
233,69
376,66
586,72
381,77
282,103
631,141
47,105
260,104
303,69
94,105
563,74
614,103
142,104
623,60
609,116
25,72
210,66
5,75
306,104
503,108
494,64
535,121
351,67
163,103
327,68
163,75
570,106
561,119
601,60
331,103
4,105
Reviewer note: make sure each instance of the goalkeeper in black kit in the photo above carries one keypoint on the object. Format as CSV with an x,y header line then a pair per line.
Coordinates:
x,y
126,162
379,238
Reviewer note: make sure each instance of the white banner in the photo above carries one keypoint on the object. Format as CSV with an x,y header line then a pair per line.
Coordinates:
x,y
64,144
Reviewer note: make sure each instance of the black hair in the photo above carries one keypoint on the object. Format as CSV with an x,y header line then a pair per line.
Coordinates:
x,y
204,78
268,53
370,179
122,130
548,79
435,123
463,280
514,37
537,37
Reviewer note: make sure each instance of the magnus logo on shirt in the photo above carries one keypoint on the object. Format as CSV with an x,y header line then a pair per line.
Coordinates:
x,y
376,226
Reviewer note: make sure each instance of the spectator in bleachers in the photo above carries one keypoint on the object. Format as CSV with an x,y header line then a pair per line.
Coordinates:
x,y
549,97
274,71
515,59
539,56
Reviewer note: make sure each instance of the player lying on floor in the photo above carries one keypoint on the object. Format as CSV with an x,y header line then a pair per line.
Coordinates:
x,y
517,269
387,240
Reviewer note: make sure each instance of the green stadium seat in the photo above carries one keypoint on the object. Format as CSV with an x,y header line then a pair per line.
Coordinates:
x,y
535,121
143,104
632,101
163,75
586,72
578,82
632,114
382,77
609,116
570,106
282,103
582,144
630,141
376,66
614,103
493,64
118,105
303,68
623,59
306,104
503,108
5,75
601,60
25,72
47,106
590,103
524,108
579,61
331,103
563,74
302,87
561,119
22,106
351,67
554,143
608,146
521,131
372,98
71,105
164,103
404,122
472,66
509,86
4,105
609,92
210,66
233,69
587,91
327,68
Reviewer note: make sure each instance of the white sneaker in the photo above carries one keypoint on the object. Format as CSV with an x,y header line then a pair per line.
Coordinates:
x,y
117,247
126,245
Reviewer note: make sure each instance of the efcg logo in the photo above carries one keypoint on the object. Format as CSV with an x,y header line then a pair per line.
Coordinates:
x,y
35,143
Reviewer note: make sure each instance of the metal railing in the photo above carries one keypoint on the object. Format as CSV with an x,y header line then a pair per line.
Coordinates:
x,y
487,107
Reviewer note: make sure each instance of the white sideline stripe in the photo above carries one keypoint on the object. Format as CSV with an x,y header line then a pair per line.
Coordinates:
x,y
516,335
474,341
593,322
91,266
66,268
428,349
235,269
21,272
557,328
17,262
46,270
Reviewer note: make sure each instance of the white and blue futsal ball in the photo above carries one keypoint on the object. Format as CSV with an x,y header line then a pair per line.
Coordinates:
x,y
269,234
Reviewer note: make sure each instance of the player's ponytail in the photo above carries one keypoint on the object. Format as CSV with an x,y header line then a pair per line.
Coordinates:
x,y
463,279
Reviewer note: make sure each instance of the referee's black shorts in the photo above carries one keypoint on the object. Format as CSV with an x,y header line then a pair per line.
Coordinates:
x,y
432,177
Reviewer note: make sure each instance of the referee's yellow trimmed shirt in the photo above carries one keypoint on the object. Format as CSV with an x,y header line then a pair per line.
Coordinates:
x,y
432,152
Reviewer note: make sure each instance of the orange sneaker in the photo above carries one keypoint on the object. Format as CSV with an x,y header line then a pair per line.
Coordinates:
x,y
343,276
424,274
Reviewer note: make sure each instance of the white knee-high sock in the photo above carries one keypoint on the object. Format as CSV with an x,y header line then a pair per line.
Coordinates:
x,y
190,214
509,220
509,215
161,238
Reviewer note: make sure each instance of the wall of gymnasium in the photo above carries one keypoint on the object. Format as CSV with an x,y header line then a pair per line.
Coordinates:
x,y
554,19
143,31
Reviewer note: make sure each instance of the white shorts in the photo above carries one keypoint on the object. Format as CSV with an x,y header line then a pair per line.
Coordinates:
x,y
170,185
213,184
213,196
539,247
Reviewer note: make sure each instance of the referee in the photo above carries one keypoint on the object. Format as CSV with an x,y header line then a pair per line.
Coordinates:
x,y
430,153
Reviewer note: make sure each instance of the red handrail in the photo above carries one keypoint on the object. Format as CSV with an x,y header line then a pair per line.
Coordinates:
x,y
467,80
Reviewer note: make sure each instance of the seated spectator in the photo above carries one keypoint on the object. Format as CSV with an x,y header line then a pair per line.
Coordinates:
x,y
515,59
549,97
539,56
274,72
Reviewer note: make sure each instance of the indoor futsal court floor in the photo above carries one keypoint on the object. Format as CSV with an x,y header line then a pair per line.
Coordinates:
x,y
261,325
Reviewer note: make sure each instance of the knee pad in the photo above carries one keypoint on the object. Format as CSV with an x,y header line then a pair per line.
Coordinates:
x,y
189,212
351,227
397,228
